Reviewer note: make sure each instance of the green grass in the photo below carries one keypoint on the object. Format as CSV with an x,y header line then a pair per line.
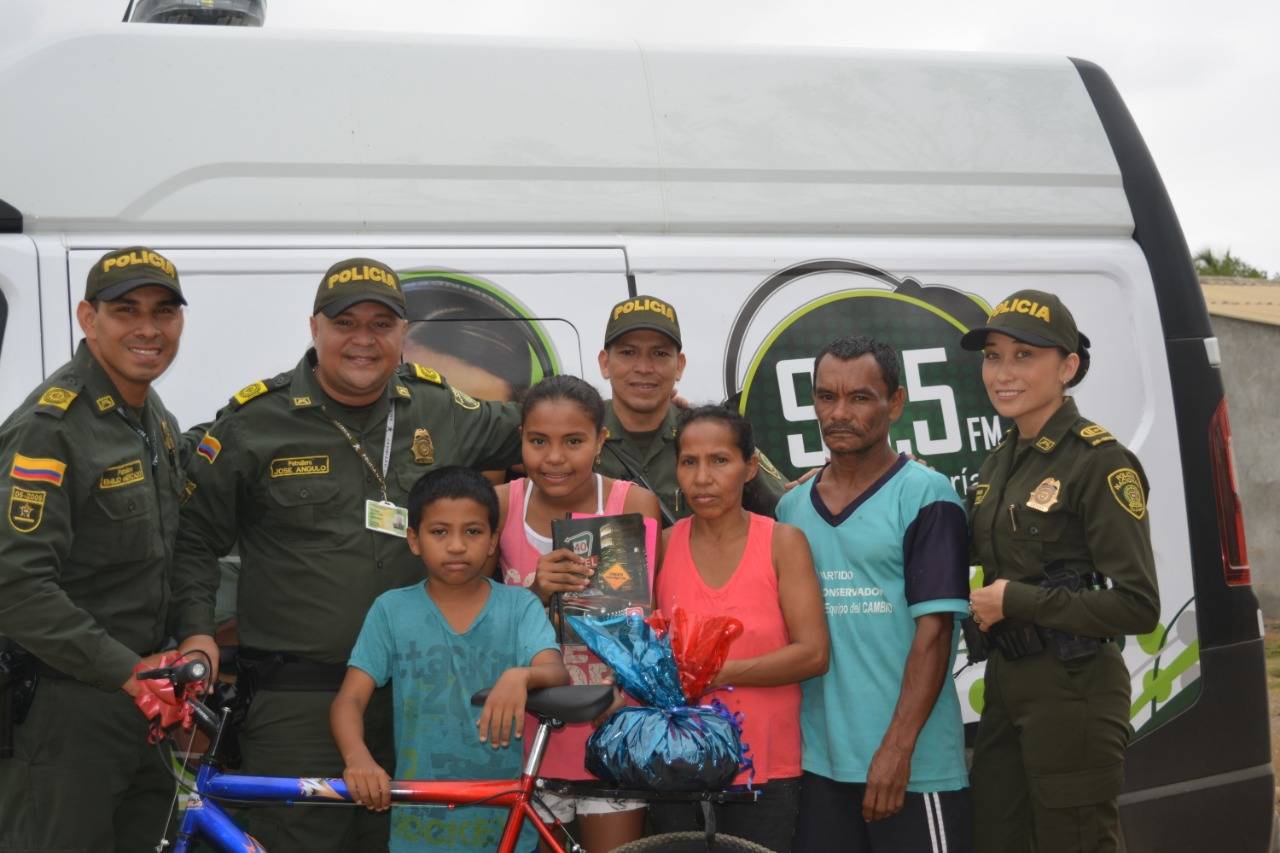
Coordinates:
x,y
1272,645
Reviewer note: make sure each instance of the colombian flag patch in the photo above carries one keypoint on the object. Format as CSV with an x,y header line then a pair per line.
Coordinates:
x,y
209,447
35,470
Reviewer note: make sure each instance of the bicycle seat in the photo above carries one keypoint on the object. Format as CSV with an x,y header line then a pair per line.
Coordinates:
x,y
571,704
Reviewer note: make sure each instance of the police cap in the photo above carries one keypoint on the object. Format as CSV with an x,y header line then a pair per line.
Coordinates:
x,y
1033,317
642,312
358,280
121,270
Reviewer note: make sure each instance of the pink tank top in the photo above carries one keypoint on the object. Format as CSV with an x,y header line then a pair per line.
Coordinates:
x,y
771,715
518,560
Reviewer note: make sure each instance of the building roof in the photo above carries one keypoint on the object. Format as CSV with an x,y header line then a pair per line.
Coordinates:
x,y
1256,300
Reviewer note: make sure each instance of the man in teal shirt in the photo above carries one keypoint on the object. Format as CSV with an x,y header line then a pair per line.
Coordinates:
x,y
883,738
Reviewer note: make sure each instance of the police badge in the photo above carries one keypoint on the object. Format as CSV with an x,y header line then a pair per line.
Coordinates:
x,y
424,450
1045,495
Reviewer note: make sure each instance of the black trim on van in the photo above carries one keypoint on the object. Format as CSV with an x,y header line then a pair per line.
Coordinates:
x,y
4,319
10,218
1227,727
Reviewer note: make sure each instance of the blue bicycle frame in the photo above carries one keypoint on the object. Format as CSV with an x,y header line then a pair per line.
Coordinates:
x,y
205,819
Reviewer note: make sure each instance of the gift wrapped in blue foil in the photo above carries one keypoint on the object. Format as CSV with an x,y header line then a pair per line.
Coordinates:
x,y
668,744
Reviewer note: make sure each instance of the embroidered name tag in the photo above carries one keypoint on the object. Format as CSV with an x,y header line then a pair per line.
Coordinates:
x,y
121,475
298,466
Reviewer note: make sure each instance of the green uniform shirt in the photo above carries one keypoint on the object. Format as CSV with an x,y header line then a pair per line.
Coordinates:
x,y
628,456
275,474
1072,494
91,496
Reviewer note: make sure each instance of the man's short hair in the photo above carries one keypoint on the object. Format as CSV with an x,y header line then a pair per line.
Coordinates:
x,y
452,482
847,349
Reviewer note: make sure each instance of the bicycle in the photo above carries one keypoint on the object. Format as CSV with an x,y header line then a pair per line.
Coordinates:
x,y
176,703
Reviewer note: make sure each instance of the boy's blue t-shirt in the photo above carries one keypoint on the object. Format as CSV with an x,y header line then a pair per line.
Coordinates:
x,y
433,672
898,552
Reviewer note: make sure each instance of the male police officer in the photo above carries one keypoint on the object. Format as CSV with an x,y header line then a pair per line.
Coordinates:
x,y
91,479
642,360
310,472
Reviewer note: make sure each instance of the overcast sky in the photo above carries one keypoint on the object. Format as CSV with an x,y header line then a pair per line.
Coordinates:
x,y
1201,78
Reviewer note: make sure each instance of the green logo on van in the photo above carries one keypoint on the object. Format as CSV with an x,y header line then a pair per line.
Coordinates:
x,y
948,420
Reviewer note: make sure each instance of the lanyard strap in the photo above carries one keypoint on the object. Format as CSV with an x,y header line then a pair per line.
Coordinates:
x,y
364,457
146,439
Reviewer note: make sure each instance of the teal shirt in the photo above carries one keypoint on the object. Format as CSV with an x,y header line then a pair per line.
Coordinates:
x,y
433,672
898,552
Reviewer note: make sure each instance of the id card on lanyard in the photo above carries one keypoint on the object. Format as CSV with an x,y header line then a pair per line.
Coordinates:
x,y
379,516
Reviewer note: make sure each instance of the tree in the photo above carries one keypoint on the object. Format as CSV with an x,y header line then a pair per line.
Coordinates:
x,y
1210,264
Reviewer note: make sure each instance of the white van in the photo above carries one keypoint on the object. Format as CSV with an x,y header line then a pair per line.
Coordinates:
x,y
777,198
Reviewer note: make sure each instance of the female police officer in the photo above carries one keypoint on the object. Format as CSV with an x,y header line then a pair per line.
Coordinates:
x,y
1060,528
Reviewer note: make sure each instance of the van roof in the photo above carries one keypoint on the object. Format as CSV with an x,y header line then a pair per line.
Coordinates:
x,y
194,128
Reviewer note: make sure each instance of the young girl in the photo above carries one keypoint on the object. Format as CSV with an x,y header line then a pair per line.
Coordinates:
x,y
724,560
562,434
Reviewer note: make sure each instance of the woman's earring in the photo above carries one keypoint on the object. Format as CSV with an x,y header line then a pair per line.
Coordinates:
x,y
605,436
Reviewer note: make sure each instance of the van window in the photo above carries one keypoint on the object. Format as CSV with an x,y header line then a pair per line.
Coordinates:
x,y
480,336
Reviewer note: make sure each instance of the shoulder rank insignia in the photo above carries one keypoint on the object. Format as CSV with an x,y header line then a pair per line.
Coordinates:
x,y
55,401
1045,495
26,509
465,400
248,392
37,470
1126,487
424,449
426,374
766,464
1093,434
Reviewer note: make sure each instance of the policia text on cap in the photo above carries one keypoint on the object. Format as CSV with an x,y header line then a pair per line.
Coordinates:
x,y
1060,528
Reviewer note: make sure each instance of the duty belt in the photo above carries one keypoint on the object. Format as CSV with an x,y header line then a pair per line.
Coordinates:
x,y
288,672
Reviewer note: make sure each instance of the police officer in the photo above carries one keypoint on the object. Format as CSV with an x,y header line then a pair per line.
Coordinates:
x,y
91,481
1061,531
642,359
310,471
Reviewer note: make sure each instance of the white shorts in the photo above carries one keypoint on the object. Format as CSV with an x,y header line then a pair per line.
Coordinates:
x,y
565,808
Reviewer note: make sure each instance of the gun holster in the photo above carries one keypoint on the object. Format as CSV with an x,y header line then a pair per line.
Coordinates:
x,y
976,647
18,680
1012,637
1071,648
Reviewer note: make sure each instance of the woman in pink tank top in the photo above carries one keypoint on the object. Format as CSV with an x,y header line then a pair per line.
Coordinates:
x,y
726,561
562,432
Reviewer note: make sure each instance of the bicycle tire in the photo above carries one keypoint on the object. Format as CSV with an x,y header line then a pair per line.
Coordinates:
x,y
692,842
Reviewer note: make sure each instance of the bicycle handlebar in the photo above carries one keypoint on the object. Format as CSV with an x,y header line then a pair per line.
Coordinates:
x,y
194,671
167,692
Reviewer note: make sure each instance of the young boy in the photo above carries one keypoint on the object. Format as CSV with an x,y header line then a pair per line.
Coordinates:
x,y
439,643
